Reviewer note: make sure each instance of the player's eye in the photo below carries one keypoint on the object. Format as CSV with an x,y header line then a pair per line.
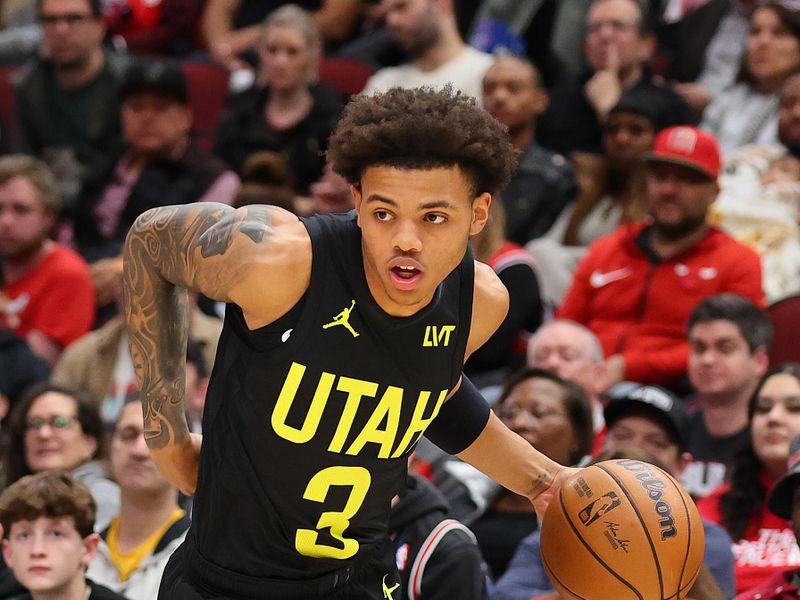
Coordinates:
x,y
383,215
435,218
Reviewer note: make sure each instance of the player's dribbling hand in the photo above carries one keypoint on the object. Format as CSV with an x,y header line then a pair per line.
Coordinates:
x,y
542,500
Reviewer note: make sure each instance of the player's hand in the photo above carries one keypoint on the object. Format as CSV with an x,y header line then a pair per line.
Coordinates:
x,y
542,500
604,89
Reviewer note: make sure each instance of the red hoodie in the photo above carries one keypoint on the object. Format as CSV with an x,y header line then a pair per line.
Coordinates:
x,y
639,308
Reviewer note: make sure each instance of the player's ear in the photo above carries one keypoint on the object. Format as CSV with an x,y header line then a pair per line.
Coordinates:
x,y
480,213
356,191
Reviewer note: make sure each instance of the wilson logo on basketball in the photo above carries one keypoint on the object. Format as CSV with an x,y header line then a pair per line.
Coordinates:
x,y
604,504
655,490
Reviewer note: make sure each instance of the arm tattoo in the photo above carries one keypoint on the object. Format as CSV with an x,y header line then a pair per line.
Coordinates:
x,y
160,260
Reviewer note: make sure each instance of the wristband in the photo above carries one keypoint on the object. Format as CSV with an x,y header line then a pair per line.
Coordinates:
x,y
460,420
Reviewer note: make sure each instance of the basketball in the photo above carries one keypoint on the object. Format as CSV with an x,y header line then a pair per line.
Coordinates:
x,y
622,529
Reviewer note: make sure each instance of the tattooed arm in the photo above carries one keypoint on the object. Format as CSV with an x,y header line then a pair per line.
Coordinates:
x,y
226,254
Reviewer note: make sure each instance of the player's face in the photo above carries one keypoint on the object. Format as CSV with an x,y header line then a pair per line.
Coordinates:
x,y
131,464
49,555
511,94
415,225
535,410
54,438
154,124
71,32
24,222
637,431
776,421
679,198
720,361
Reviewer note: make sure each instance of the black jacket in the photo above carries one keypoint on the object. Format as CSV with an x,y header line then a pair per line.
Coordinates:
x,y
19,367
435,554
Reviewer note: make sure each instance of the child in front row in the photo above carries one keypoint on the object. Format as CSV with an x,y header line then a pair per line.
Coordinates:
x,y
48,537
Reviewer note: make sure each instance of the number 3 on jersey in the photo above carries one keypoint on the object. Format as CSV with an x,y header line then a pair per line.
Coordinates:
x,y
305,541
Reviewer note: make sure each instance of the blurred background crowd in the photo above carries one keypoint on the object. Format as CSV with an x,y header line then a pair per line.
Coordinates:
x,y
649,240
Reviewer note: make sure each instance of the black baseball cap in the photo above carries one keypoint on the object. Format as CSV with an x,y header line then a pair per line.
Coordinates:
x,y
781,497
162,76
627,396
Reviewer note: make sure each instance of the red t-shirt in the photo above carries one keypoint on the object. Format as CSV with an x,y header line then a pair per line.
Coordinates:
x,y
55,298
767,547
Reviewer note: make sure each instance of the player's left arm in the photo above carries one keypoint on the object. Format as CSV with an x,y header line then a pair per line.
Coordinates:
x,y
497,451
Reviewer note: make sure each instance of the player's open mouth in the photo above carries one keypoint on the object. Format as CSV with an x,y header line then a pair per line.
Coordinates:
x,y
405,277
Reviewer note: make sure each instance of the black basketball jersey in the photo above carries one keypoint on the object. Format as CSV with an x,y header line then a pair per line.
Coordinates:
x,y
305,443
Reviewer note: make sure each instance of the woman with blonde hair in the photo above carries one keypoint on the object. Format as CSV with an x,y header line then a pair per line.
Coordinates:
x,y
287,111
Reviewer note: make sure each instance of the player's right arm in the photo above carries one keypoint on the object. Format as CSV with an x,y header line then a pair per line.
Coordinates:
x,y
258,257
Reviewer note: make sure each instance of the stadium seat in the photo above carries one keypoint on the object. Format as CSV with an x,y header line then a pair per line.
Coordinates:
x,y
785,317
345,75
208,90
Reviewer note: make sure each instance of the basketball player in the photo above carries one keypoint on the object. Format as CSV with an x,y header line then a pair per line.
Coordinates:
x,y
343,342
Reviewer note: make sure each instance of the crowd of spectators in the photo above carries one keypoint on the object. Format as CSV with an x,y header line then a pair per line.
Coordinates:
x,y
652,222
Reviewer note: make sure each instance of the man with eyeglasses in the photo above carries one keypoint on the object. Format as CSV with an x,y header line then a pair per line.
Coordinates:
x,y
135,547
67,99
617,45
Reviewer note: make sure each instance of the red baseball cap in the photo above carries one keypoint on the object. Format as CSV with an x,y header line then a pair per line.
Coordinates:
x,y
687,146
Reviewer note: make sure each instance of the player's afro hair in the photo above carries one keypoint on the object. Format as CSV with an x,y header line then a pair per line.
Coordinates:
x,y
422,129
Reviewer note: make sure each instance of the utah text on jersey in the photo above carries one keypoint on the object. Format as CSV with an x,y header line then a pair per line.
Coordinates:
x,y
383,427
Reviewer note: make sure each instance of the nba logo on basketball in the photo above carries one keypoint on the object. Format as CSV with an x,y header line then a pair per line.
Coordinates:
x,y
605,503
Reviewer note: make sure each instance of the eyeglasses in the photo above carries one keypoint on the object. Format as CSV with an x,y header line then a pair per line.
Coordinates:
x,y
55,422
70,19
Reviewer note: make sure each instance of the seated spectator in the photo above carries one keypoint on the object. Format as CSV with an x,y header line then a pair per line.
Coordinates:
x,y
747,113
54,427
166,27
160,165
100,362
46,296
572,352
266,179
19,369
436,556
636,287
784,501
764,544
232,28
504,352
427,31
287,111
704,47
48,539
544,182
618,44
612,185
552,415
729,340
759,200
134,549
67,100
